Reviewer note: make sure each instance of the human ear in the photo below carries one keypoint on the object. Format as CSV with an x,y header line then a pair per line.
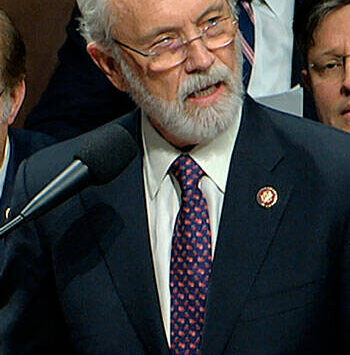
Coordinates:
x,y
306,79
106,62
17,96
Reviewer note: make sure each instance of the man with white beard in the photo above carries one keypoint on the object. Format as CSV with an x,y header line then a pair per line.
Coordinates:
x,y
228,233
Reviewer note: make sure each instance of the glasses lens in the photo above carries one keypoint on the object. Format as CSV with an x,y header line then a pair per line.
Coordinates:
x,y
169,58
214,37
220,35
331,70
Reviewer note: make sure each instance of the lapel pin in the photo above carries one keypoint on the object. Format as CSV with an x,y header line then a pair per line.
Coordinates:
x,y
7,212
267,197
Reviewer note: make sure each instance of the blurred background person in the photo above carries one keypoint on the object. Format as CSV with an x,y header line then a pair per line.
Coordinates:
x,y
323,33
15,144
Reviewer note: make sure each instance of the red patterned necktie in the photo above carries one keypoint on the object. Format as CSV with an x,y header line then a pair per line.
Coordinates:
x,y
191,260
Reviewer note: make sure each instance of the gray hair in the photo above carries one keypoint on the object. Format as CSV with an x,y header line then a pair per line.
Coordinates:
x,y
97,20
309,17
6,106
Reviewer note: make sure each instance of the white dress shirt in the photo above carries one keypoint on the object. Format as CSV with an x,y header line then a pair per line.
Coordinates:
x,y
3,167
272,70
163,195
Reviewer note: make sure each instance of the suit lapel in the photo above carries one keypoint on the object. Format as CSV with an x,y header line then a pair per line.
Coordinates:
x,y
246,229
126,250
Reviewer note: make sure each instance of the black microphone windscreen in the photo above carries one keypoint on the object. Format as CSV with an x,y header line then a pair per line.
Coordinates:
x,y
107,151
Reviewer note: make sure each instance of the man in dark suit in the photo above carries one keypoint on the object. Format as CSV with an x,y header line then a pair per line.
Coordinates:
x,y
80,98
15,144
227,234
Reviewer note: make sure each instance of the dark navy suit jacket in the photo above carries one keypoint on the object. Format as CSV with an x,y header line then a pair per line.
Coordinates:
x,y
80,279
23,143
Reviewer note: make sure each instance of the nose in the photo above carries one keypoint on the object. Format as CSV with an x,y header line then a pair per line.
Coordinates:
x,y
199,57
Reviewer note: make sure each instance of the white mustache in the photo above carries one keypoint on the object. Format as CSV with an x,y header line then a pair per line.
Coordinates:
x,y
201,81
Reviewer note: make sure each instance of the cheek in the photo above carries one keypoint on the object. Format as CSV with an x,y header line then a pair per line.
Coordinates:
x,y
326,99
164,85
228,56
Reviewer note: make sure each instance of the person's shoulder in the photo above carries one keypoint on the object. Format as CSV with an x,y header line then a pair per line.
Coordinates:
x,y
309,142
310,134
45,164
26,142
30,141
129,122
318,146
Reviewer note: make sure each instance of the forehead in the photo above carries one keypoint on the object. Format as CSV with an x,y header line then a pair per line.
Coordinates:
x,y
139,16
333,33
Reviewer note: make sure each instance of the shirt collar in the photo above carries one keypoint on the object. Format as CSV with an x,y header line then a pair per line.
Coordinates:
x,y
280,7
6,155
213,157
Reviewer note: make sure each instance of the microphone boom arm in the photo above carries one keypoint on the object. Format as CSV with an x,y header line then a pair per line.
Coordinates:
x,y
72,179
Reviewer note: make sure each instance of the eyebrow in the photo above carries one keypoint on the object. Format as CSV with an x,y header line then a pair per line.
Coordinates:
x,y
157,31
332,52
211,8
163,29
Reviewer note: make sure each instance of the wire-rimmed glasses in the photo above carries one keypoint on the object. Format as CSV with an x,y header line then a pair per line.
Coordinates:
x,y
171,51
330,69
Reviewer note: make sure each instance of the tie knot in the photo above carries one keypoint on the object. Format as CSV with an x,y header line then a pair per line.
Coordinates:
x,y
187,172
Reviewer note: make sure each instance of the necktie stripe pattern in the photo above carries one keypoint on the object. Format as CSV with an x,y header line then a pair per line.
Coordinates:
x,y
191,260
247,50
248,8
246,26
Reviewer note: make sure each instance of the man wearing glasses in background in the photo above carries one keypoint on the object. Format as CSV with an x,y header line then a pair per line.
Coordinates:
x,y
323,35
227,234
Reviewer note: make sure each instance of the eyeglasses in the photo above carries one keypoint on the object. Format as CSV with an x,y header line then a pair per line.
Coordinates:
x,y
169,51
330,69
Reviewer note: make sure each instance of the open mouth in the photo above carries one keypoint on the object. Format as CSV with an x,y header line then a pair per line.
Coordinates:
x,y
207,91
346,111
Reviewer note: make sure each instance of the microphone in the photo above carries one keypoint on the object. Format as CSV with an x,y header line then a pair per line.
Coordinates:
x,y
102,155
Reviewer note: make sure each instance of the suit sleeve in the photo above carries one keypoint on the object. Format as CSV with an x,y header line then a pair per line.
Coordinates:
x,y
79,97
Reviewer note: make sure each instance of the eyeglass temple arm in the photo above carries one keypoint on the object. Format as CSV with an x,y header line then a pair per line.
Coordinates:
x,y
343,57
132,49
